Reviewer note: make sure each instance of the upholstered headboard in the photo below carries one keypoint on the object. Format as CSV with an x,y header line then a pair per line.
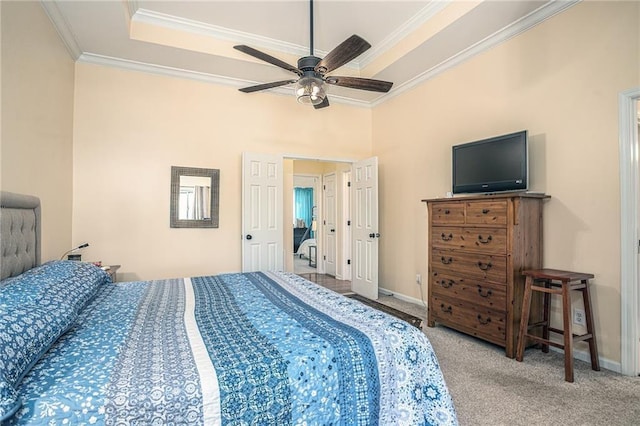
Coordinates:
x,y
19,233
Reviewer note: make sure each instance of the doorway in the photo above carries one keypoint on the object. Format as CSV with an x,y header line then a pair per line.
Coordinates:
x,y
628,102
316,253
305,215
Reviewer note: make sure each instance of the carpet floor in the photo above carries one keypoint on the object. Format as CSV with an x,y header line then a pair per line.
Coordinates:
x,y
490,389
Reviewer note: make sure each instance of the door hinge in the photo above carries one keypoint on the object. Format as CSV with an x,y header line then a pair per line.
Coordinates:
x,y
324,187
324,257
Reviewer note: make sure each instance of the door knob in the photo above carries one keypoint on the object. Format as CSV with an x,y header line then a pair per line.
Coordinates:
x,y
249,236
333,230
376,235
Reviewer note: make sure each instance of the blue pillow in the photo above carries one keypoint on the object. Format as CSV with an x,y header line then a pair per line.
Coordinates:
x,y
56,283
36,308
26,333
9,401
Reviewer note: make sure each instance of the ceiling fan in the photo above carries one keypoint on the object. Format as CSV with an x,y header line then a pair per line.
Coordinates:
x,y
311,70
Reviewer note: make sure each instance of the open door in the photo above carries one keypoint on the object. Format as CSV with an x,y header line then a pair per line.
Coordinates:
x,y
262,204
364,175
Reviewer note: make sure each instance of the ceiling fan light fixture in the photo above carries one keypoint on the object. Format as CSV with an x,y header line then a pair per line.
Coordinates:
x,y
310,91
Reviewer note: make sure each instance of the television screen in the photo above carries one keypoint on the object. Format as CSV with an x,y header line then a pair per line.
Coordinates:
x,y
491,165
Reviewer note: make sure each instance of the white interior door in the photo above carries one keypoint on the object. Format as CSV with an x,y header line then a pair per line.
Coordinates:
x,y
364,228
262,212
329,221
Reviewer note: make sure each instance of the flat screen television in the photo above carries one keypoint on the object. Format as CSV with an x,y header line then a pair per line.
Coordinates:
x,y
496,164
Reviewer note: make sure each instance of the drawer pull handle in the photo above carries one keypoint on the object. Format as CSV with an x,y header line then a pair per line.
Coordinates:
x,y
446,310
447,211
484,266
485,294
447,283
484,240
445,260
446,237
485,211
483,322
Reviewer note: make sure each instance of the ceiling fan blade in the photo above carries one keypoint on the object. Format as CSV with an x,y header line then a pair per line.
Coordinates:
x,y
267,58
323,104
347,50
266,86
360,83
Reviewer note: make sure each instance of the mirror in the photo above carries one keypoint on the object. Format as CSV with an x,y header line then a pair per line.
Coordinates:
x,y
194,197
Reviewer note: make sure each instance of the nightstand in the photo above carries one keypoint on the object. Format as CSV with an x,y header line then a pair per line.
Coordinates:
x,y
111,270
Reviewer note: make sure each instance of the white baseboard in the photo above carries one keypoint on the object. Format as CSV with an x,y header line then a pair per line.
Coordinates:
x,y
586,357
401,296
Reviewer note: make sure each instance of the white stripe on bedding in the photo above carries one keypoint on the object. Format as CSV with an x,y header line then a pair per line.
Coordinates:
x,y
208,377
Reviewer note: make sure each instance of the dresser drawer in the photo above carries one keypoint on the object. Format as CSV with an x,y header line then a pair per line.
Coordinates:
x,y
472,265
487,212
447,213
476,320
484,240
475,292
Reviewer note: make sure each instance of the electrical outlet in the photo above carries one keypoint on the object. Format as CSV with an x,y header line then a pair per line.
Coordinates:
x,y
418,279
578,316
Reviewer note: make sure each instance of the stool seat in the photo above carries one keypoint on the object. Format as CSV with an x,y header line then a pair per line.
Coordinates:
x,y
555,281
557,274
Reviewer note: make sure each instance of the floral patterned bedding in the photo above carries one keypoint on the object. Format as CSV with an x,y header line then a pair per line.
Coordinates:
x,y
233,349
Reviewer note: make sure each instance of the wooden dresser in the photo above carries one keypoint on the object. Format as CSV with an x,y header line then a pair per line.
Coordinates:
x,y
478,247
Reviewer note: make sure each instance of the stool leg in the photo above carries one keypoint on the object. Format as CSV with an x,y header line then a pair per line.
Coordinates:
x,y
568,333
593,347
524,318
546,316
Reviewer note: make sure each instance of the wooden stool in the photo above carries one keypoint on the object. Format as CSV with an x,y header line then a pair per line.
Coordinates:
x,y
557,282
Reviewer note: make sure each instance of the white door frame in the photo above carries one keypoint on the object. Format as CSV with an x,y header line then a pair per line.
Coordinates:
x,y
629,232
346,223
326,230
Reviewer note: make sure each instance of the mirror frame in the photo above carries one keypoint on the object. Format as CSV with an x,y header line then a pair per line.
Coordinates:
x,y
214,174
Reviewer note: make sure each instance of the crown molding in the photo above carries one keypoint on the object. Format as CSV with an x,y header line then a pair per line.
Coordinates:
x,y
525,23
131,6
127,64
62,28
222,33
539,15
416,21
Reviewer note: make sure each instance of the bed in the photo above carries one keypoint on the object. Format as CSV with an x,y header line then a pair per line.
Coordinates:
x,y
303,250
264,348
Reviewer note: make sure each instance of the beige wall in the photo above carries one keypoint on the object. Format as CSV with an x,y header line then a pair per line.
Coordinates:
x,y
560,81
37,119
131,127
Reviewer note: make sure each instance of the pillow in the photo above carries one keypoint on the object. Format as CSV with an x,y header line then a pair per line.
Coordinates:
x,y
26,333
9,401
56,283
36,308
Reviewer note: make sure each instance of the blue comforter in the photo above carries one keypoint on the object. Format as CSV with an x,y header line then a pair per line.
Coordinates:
x,y
234,349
